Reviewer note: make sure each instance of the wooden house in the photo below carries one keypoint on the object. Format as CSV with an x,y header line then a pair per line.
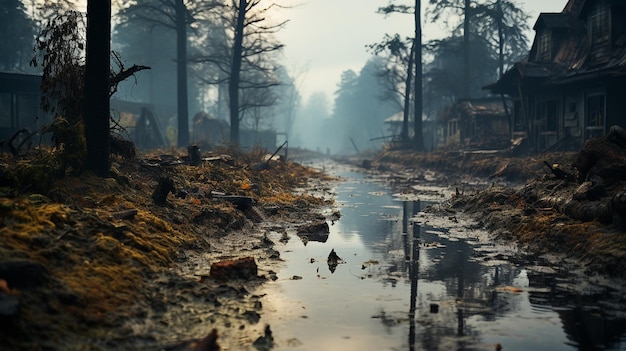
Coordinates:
x,y
572,85
476,123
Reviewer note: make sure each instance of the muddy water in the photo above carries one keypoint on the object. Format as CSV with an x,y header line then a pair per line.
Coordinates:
x,y
415,281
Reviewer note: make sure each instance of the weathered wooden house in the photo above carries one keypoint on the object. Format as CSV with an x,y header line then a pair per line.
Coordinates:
x,y
573,83
476,123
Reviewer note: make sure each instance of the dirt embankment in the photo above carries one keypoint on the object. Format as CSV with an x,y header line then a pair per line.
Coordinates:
x,y
572,203
125,262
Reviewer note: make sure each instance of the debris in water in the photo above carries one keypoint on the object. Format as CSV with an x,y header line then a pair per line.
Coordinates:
x,y
333,260
265,342
316,231
209,343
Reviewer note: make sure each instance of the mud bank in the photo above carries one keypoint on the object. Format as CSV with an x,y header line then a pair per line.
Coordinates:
x,y
567,203
124,263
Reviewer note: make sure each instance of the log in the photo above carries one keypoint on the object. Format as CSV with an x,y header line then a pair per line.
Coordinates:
x,y
126,214
243,268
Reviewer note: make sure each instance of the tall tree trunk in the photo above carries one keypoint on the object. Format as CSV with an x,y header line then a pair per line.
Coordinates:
x,y
181,70
500,37
500,15
407,95
97,87
235,72
466,50
419,135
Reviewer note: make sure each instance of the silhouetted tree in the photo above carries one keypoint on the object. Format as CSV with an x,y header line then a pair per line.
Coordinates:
x,y
416,57
500,22
441,77
245,56
504,26
396,75
154,46
176,15
359,115
419,102
250,39
289,99
17,38
97,85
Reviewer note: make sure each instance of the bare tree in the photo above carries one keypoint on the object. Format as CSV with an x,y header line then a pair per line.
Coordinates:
x,y
177,15
416,57
396,76
500,22
250,34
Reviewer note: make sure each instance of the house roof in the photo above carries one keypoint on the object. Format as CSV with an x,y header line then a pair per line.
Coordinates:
x,y
525,70
486,107
574,7
553,20
483,107
571,58
395,118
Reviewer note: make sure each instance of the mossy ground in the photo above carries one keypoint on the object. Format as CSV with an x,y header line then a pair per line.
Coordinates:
x,y
102,271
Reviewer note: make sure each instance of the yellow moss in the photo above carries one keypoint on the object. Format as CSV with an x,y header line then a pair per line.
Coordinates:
x,y
25,219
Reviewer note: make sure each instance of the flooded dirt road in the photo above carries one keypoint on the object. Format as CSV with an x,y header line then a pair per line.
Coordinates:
x,y
414,279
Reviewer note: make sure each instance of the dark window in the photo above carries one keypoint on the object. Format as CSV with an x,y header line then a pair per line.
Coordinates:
x,y
618,25
599,24
545,47
595,110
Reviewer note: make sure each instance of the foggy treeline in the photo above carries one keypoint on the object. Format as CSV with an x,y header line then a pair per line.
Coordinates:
x,y
353,119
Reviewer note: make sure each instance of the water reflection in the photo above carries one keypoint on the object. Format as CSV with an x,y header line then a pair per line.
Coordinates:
x,y
407,284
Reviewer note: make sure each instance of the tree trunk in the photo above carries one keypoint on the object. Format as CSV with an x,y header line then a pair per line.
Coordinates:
x,y
181,69
466,50
500,38
419,135
97,87
407,95
235,72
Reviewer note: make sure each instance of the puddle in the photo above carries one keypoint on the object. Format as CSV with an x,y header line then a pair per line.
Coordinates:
x,y
409,280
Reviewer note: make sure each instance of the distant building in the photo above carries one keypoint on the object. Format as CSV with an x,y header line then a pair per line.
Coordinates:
x,y
480,123
572,84
19,103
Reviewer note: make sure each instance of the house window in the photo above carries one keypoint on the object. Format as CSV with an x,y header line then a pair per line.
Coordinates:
x,y
599,24
545,47
6,111
27,107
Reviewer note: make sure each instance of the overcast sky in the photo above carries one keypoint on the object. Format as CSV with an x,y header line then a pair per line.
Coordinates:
x,y
326,37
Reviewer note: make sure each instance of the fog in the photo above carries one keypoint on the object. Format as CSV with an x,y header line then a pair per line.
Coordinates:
x,y
335,102
327,91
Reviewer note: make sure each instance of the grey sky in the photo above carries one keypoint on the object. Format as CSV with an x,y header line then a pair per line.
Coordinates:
x,y
326,37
